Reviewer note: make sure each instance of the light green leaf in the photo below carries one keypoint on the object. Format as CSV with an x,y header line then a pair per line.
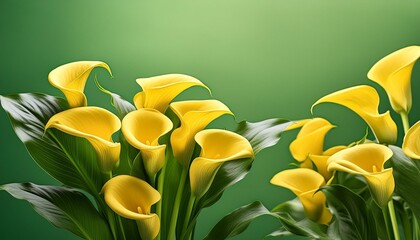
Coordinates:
x,y
237,221
263,134
353,218
406,173
68,159
64,207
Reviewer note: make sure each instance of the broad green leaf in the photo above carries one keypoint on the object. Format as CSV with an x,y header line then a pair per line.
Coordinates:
x,y
353,218
292,216
407,178
120,104
69,159
228,174
237,221
64,207
263,134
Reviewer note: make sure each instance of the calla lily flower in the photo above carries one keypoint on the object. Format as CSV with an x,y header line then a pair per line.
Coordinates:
x,y
159,91
71,80
305,183
95,125
132,198
364,101
194,117
217,146
367,160
142,129
297,124
310,140
393,73
411,144
321,161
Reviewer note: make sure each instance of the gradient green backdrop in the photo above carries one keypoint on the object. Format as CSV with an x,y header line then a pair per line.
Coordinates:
x,y
263,59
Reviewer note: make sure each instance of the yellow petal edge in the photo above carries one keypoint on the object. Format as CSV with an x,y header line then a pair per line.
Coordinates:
x,y
367,160
71,79
411,144
304,183
159,91
142,129
95,125
194,117
133,198
217,146
393,73
364,101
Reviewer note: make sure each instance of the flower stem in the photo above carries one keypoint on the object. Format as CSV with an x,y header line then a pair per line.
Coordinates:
x,y
393,219
405,122
387,222
188,216
174,218
161,180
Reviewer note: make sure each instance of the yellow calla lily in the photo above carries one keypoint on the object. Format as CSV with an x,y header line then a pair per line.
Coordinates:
x,y
297,124
321,161
217,147
305,183
310,140
159,91
71,79
393,73
194,117
364,101
95,125
367,160
411,144
142,129
132,198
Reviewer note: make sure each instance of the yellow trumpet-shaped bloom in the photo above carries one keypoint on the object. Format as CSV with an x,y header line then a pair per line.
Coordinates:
x,y
305,184
97,126
132,198
142,129
321,161
310,140
159,91
367,160
393,73
411,144
71,80
364,101
217,147
194,117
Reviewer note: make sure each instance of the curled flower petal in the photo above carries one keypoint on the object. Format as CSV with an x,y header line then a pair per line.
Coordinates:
x,y
97,126
321,161
305,184
194,117
133,198
411,144
393,73
297,124
142,129
310,139
364,101
217,147
159,91
71,79
367,160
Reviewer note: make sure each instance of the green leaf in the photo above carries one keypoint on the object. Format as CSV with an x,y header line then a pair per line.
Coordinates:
x,y
68,159
237,221
406,173
263,134
120,104
64,207
353,218
291,214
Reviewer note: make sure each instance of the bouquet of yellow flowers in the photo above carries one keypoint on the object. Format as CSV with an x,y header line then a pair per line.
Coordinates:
x,y
152,182
367,189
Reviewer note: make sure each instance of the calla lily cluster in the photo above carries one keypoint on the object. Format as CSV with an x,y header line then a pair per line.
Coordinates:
x,y
163,134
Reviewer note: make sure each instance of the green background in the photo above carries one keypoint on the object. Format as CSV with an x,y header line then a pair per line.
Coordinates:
x,y
263,59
